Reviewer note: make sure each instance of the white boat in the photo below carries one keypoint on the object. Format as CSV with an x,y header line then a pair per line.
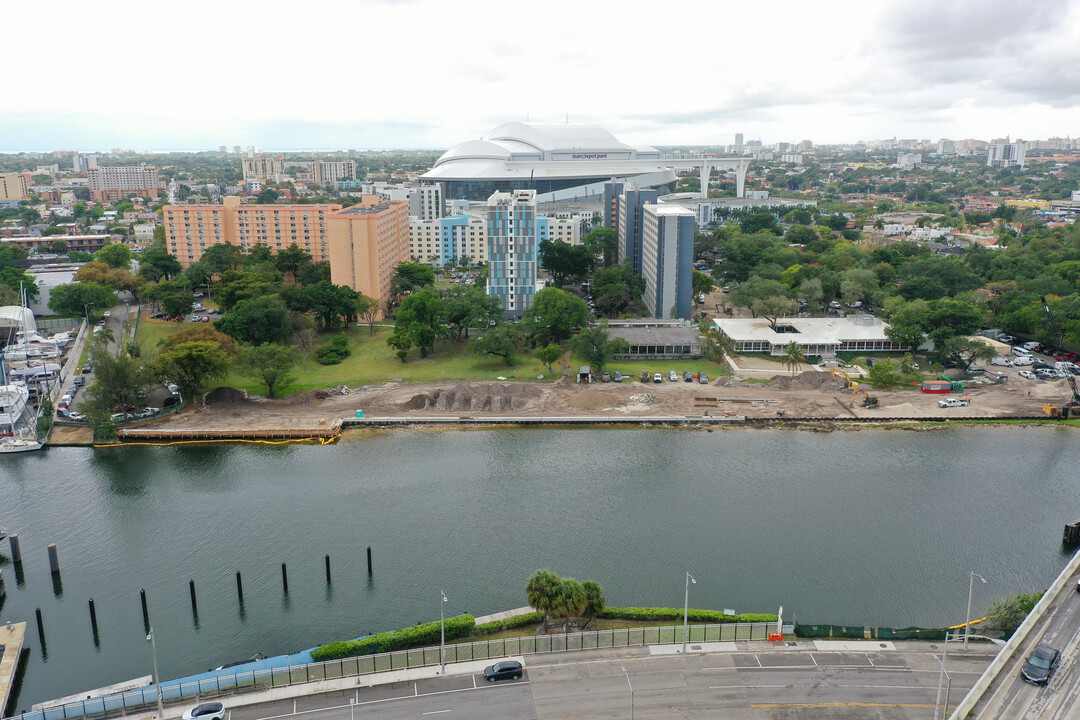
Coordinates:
x,y
16,433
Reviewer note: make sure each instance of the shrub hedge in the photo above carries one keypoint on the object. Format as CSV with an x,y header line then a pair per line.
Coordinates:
x,y
516,621
414,636
662,614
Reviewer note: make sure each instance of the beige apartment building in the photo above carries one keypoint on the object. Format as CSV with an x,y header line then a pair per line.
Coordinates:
x,y
190,229
112,183
13,187
263,168
366,242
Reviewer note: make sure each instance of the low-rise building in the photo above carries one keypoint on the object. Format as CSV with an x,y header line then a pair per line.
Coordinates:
x,y
816,336
656,340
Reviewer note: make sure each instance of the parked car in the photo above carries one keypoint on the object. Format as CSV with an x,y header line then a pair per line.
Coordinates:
x,y
657,378
158,316
672,376
86,369
148,412
1044,374
687,376
954,402
618,376
1024,360
1032,346
1039,365
703,378
1020,351
835,305
504,670
1001,360
1041,664
78,380
76,416
1007,339
1027,374
605,376
206,711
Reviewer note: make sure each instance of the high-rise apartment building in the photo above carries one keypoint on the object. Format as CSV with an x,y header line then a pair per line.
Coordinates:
x,y
448,239
190,229
82,162
326,172
14,189
609,211
629,225
738,141
1005,154
365,243
112,183
426,202
668,260
513,243
262,168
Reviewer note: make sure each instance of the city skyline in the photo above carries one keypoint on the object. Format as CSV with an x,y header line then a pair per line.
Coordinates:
x,y
425,74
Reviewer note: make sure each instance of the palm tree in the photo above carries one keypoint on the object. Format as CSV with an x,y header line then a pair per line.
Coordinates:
x,y
793,355
541,591
570,600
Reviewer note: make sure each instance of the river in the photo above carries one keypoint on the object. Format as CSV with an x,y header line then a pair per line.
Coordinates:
x,y
876,527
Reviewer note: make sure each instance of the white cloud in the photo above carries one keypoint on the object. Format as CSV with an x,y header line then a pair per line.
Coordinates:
x,y
431,73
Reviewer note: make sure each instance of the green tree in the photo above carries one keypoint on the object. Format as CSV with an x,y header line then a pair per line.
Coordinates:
x,y
774,307
702,285
60,247
119,380
884,373
759,221
617,288
303,334
1007,614
409,276
222,257
570,600
191,364
564,261
78,299
177,303
715,345
420,316
548,354
402,342
257,321
793,356
500,341
964,351
594,598
237,285
330,302
156,262
272,365
369,310
597,346
554,316
116,255
469,306
541,591
602,241
289,260
266,196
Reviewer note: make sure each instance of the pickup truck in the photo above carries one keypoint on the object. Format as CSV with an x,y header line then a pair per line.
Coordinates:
x,y
954,402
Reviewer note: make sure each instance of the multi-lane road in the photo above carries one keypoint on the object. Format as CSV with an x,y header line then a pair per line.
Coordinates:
x,y
807,680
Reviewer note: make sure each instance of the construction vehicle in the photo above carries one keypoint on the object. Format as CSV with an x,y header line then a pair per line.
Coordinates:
x,y
646,376
956,385
1073,404
847,378
868,399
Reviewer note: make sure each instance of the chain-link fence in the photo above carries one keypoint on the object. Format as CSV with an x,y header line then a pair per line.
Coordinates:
x,y
267,678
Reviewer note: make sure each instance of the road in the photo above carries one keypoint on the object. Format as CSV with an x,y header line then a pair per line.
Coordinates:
x,y
1011,697
805,681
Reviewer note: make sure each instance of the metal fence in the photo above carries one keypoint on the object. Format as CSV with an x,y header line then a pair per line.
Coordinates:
x,y
255,680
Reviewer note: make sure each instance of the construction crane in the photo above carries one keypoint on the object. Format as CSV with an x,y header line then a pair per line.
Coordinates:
x,y
1074,403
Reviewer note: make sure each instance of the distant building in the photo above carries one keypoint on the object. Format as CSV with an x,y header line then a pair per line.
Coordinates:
x,y
908,161
792,158
513,244
667,260
609,210
365,243
448,239
1005,154
738,141
85,243
326,172
630,225
262,167
426,202
82,163
946,147
14,189
112,183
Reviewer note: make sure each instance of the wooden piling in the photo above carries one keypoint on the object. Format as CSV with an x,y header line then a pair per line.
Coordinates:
x,y
239,588
16,551
327,569
145,611
369,560
54,559
284,579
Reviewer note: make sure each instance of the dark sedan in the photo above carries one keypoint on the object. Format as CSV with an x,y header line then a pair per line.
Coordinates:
x,y
1041,665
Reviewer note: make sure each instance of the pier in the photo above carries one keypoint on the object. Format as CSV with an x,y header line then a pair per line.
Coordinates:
x,y
11,644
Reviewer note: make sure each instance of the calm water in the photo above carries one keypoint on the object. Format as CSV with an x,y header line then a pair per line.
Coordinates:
x,y
872,527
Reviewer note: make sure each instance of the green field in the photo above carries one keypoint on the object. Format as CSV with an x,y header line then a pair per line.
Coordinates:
x,y
373,361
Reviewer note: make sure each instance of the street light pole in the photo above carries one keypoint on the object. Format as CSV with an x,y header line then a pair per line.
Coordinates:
x,y
157,678
442,634
967,621
943,675
631,693
686,611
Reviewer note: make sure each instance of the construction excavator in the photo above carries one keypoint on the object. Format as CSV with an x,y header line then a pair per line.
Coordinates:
x,y
856,389
1072,406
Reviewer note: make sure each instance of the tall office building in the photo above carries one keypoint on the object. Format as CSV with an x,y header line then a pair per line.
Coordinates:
x,y
425,202
738,141
262,168
668,260
112,183
365,243
82,162
513,243
630,204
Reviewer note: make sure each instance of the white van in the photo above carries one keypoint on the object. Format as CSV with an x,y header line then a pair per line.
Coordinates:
x,y
1024,360
1021,351
1032,346
1066,366
1001,360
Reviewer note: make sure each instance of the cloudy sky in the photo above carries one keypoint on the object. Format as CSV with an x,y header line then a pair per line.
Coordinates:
x,y
432,73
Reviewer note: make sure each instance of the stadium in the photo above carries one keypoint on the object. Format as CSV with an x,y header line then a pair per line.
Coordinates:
x,y
559,161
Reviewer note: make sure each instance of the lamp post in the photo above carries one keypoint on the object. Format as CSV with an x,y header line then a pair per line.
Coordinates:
x,y
631,693
442,634
943,676
352,708
967,621
157,678
686,611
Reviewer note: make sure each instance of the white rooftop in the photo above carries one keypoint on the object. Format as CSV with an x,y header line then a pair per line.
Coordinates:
x,y
808,330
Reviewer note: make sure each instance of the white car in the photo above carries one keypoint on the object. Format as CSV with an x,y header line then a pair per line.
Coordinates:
x,y
1001,360
206,711
77,416
1027,374
148,412
953,402
1024,360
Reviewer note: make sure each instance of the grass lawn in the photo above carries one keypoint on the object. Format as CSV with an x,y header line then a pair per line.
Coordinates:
x,y
373,361
633,368
555,623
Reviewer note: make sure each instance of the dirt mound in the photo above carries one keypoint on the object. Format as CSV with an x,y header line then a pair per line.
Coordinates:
x,y
592,399
469,397
809,380
729,382
224,395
